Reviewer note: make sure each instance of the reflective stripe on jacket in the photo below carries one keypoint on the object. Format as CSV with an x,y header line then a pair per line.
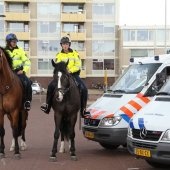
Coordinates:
x,y
19,59
74,64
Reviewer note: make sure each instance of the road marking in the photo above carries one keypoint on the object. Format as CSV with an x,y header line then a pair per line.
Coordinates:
x,y
132,168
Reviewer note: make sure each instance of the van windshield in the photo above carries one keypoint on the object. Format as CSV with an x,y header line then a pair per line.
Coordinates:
x,y
134,78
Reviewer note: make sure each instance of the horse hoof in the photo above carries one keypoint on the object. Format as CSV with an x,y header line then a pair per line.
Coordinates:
x,y
23,148
74,158
11,149
2,155
17,156
52,159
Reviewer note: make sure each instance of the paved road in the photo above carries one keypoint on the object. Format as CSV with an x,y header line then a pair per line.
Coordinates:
x,y
39,134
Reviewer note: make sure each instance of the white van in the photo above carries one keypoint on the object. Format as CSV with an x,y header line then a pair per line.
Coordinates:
x,y
149,130
111,113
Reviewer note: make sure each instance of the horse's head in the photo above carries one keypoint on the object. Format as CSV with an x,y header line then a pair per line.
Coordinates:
x,y
5,59
62,77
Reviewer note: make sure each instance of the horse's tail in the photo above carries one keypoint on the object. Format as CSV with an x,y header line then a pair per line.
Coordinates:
x,y
20,124
65,129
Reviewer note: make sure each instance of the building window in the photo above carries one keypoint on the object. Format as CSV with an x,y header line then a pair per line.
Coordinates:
x,y
17,27
45,66
103,27
103,47
24,45
73,27
49,28
129,35
78,45
48,10
103,64
109,64
142,53
142,35
104,9
97,64
17,7
49,46
73,8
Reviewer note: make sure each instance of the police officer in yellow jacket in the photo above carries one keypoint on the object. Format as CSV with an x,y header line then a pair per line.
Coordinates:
x,y
21,66
74,68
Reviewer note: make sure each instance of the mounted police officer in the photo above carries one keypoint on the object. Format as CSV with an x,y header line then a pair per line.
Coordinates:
x,y
74,68
21,66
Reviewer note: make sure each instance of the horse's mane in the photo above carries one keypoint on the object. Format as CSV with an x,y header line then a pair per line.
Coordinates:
x,y
61,66
9,59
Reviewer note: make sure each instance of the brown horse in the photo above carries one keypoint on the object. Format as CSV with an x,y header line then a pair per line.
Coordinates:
x,y
66,104
11,95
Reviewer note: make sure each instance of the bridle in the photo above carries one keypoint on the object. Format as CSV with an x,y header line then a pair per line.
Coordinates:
x,y
64,90
8,86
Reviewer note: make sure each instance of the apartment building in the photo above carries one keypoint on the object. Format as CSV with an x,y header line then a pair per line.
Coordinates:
x,y
142,41
39,25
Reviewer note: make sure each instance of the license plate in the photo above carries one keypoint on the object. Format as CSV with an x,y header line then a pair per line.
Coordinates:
x,y
143,152
89,134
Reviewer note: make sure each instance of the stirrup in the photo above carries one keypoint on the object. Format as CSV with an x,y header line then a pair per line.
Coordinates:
x,y
27,105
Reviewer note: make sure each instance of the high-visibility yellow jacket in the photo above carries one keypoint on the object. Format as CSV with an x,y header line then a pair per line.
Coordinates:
x,y
19,59
74,64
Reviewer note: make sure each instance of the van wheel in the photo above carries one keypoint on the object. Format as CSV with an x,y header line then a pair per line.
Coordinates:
x,y
109,146
156,164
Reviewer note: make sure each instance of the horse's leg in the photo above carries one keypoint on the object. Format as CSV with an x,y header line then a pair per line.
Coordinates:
x,y
57,119
72,136
23,143
15,131
24,121
62,146
2,134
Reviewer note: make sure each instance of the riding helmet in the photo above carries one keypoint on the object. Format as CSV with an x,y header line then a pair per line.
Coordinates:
x,y
11,37
65,40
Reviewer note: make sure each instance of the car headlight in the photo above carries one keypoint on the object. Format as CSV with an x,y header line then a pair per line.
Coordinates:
x,y
166,136
110,121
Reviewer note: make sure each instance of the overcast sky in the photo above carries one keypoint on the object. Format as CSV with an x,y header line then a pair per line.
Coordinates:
x,y
144,12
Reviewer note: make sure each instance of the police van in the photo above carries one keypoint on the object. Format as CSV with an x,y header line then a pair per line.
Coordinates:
x,y
149,130
110,114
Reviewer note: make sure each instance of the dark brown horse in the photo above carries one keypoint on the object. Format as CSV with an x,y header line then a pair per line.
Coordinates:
x,y
66,104
11,95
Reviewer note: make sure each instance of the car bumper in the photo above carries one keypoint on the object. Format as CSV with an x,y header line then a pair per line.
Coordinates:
x,y
106,135
160,152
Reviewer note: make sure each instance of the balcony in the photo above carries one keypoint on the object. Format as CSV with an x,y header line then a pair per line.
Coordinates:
x,y
20,33
83,73
73,17
75,36
23,15
73,1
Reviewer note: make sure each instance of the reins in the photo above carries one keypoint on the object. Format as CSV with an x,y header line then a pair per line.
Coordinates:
x,y
8,86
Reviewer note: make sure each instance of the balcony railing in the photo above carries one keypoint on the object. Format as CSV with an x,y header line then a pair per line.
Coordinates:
x,y
79,16
77,35
17,14
21,33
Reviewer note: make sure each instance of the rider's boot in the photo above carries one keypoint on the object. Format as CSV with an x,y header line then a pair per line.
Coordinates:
x,y
28,95
46,107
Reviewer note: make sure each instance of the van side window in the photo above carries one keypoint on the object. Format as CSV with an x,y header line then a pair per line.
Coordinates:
x,y
159,82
